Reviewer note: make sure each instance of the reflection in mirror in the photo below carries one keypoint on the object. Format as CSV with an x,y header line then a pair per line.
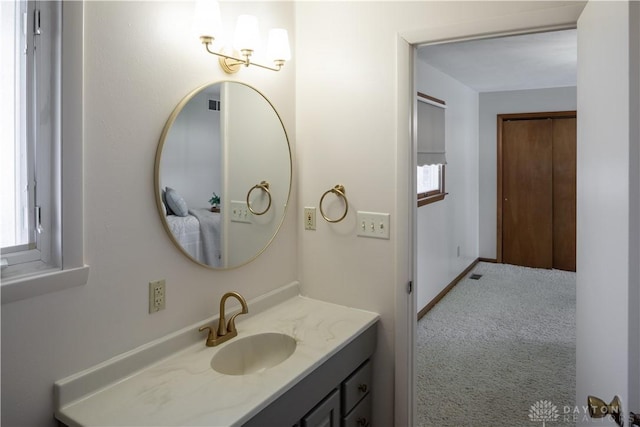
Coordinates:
x,y
223,174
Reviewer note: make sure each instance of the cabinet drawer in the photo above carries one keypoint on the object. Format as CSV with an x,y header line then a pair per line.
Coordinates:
x,y
356,387
361,414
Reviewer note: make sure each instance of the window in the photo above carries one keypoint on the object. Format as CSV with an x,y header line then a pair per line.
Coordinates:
x,y
430,184
431,149
37,242
30,97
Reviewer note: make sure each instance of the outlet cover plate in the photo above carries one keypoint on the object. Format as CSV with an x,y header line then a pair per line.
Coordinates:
x,y
157,296
373,224
309,218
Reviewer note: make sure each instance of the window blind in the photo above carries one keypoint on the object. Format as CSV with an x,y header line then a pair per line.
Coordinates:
x,y
431,136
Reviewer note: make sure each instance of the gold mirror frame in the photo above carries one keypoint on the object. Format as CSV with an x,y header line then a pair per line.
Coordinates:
x,y
157,182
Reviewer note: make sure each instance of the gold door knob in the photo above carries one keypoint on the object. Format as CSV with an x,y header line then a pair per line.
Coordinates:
x,y
599,409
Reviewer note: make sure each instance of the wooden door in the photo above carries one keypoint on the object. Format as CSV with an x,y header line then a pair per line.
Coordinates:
x,y
537,190
527,205
564,194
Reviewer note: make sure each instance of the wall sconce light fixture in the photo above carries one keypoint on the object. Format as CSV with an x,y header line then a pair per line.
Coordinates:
x,y
246,39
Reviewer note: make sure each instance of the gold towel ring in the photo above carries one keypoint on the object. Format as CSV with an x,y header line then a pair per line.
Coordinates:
x,y
264,186
340,192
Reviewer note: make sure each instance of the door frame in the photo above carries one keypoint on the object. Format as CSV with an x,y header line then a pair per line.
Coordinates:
x,y
525,21
500,121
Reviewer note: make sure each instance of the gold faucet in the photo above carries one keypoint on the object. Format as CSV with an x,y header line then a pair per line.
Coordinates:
x,y
225,331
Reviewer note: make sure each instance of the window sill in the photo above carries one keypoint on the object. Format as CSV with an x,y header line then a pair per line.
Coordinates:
x,y
431,199
32,285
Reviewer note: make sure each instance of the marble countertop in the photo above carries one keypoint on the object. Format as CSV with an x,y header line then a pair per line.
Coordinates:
x,y
184,390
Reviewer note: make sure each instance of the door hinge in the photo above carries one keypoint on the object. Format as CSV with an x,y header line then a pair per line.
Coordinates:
x,y
410,287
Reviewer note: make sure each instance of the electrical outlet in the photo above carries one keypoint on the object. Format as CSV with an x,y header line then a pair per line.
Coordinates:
x,y
373,224
309,218
157,296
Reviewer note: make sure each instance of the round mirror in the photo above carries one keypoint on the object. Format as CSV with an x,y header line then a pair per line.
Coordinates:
x,y
223,174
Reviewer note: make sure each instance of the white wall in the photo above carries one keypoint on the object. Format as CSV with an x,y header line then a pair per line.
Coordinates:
x,y
343,96
492,104
607,210
453,222
351,100
140,60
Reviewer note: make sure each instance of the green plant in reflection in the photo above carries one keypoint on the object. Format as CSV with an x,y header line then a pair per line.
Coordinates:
x,y
214,200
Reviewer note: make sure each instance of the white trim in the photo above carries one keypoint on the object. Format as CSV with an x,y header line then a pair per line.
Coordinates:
x,y
72,134
31,286
548,19
21,256
434,103
405,304
74,272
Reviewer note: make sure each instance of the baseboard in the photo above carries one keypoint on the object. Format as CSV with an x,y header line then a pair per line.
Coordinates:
x,y
491,260
446,290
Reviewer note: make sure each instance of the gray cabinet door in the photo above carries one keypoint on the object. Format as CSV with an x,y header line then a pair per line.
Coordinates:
x,y
326,414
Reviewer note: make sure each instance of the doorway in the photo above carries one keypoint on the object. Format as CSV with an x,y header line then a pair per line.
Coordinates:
x,y
603,229
460,155
536,207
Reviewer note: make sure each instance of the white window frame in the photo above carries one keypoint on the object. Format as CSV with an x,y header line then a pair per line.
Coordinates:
x,y
72,271
37,122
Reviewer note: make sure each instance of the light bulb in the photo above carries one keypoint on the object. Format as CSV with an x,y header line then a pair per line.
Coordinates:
x,y
278,45
247,35
207,20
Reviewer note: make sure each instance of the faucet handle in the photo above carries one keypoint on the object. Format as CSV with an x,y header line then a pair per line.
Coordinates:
x,y
231,325
211,338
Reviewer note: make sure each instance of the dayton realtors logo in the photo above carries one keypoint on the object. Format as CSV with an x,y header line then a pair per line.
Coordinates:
x,y
543,411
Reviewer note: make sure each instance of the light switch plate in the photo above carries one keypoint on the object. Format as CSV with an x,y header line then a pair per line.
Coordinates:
x,y
373,224
240,212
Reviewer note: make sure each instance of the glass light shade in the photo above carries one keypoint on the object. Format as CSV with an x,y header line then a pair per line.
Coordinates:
x,y
207,18
278,45
247,35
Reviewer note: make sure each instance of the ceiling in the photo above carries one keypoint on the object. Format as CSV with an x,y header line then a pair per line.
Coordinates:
x,y
530,61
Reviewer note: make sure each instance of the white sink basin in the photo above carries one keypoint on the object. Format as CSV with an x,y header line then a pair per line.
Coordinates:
x,y
254,353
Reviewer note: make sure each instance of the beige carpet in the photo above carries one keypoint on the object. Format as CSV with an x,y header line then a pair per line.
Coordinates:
x,y
494,349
